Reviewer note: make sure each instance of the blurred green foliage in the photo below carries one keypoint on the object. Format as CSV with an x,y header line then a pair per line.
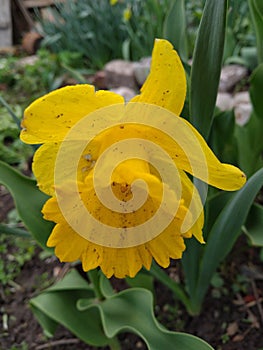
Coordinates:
x,y
14,253
100,31
12,150
26,81
92,28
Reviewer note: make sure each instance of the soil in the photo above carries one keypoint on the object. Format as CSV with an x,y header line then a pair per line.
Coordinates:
x,y
232,316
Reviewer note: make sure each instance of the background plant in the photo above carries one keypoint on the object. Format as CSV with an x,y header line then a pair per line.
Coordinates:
x,y
93,29
101,31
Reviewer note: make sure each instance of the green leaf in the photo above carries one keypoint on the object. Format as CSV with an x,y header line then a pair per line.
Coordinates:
x,y
72,281
256,10
206,67
224,233
29,202
57,305
71,303
132,310
254,225
174,27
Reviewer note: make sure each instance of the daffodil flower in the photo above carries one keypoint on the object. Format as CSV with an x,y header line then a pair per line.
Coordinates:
x,y
120,235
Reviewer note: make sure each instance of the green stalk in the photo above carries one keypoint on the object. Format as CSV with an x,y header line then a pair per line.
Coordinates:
x,y
6,105
114,344
175,287
95,280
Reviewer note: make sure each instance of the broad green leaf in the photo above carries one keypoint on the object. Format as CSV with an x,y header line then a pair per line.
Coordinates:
x,y
29,202
60,307
48,324
174,27
224,233
71,281
97,322
132,310
206,67
254,225
57,305
256,10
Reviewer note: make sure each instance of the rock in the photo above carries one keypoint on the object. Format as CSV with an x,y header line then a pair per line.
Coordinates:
x,y
124,91
241,97
224,101
242,113
99,80
31,42
230,76
242,107
142,69
120,73
27,61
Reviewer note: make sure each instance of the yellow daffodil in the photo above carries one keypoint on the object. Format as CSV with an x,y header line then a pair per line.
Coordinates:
x,y
127,13
116,172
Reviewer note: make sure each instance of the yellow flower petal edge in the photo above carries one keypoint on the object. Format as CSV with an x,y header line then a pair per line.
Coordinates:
x,y
166,83
119,262
50,117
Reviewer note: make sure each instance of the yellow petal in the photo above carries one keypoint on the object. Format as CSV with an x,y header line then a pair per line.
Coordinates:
x,y
50,117
121,262
69,246
194,156
44,165
166,83
92,256
51,211
168,244
193,202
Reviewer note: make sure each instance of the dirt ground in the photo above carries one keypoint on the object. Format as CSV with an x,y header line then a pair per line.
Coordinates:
x,y
232,318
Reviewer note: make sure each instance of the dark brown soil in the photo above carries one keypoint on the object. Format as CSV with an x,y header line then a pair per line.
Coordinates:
x,y
232,316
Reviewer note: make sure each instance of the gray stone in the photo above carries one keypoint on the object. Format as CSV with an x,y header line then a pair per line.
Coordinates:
x,y
241,97
124,91
242,113
224,101
242,107
142,69
27,61
230,76
120,73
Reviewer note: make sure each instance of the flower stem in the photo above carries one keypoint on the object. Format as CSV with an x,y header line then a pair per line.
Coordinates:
x,y
95,280
114,344
176,288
